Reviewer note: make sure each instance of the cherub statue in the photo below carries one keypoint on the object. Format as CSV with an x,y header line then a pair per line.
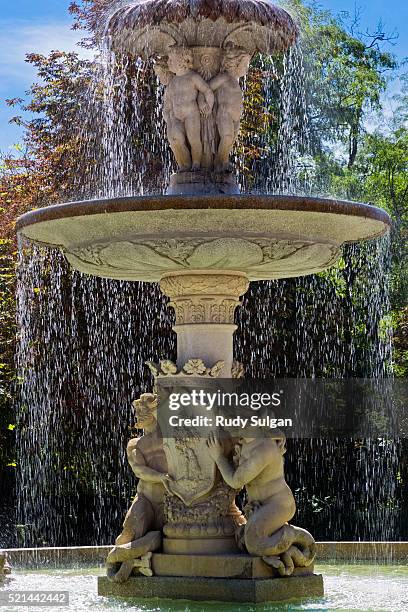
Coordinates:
x,y
144,521
182,108
229,102
259,467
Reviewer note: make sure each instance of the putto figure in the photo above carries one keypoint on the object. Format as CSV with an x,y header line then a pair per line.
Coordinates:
x,y
229,102
144,521
183,109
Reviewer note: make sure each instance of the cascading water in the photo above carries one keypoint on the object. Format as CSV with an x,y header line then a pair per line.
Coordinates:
x,y
84,341
331,325
121,131
81,361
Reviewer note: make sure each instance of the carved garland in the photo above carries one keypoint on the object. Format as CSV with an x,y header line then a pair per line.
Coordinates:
x,y
193,367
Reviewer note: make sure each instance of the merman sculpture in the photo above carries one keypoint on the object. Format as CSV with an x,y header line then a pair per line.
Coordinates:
x,y
266,533
142,528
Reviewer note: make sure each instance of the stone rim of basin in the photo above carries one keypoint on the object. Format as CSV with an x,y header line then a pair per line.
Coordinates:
x,y
147,237
149,203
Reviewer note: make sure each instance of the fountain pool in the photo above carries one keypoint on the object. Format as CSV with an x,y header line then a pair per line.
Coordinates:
x,y
348,587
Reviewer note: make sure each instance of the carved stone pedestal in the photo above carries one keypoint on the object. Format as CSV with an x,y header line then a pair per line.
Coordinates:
x,y
204,536
205,303
218,566
203,182
215,589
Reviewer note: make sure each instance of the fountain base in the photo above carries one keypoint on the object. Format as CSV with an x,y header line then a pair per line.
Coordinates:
x,y
199,546
203,182
230,578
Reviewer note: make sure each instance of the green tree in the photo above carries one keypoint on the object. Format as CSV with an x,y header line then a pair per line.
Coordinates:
x,y
346,75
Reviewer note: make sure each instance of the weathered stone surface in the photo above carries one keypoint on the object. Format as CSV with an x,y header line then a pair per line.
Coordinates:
x,y
215,589
145,238
5,568
203,183
217,566
199,546
153,26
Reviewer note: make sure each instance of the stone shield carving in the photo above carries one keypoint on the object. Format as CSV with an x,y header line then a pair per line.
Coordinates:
x,y
191,467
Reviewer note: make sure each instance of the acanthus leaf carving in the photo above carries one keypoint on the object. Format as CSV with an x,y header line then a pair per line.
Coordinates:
x,y
259,257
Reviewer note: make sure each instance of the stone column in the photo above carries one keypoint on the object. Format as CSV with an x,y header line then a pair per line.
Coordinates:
x,y
205,303
201,515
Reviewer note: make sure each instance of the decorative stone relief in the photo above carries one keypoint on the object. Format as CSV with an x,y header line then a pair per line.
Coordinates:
x,y
192,468
259,258
238,370
216,516
152,27
204,298
187,457
175,286
193,367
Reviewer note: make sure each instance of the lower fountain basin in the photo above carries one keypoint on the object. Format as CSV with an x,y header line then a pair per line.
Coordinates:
x,y
143,238
353,586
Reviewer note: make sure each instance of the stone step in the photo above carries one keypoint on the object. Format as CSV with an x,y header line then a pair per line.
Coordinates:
x,y
215,589
217,566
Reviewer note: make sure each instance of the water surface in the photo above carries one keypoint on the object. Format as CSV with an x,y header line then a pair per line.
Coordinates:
x,y
367,588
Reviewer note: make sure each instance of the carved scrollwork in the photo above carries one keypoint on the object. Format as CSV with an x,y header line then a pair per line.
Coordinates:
x,y
91,254
237,370
176,285
175,249
216,516
204,298
280,249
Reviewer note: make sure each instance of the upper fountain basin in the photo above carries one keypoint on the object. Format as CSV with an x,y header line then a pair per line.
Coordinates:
x,y
151,27
143,238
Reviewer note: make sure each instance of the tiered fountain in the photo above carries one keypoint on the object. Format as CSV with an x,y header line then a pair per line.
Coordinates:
x,y
183,536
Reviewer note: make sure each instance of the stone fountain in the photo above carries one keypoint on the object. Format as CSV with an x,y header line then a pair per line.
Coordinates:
x,y
184,537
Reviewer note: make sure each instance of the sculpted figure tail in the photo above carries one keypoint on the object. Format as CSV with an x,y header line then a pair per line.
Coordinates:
x,y
298,545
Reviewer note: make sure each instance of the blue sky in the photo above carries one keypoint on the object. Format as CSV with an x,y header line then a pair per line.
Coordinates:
x,y
43,25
